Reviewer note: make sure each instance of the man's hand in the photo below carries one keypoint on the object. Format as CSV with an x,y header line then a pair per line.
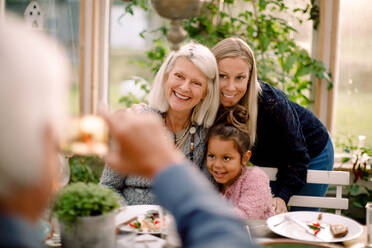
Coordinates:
x,y
279,205
142,146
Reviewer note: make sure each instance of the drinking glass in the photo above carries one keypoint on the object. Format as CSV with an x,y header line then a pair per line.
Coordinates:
x,y
63,172
369,224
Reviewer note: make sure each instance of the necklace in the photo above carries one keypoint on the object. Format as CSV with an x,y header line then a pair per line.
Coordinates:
x,y
185,131
191,129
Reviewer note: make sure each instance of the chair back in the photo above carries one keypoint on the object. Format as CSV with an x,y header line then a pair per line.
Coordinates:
x,y
338,178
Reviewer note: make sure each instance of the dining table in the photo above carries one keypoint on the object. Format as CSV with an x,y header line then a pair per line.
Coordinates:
x,y
258,230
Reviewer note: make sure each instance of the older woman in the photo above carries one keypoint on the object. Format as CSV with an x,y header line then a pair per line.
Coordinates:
x,y
286,135
186,95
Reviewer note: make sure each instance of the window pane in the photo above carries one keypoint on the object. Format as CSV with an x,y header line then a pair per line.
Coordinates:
x,y
354,92
61,21
127,51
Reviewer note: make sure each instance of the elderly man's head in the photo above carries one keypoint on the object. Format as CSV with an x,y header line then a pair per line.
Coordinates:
x,y
33,86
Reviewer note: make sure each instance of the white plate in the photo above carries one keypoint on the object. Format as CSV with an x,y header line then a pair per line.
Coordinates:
x,y
135,211
291,230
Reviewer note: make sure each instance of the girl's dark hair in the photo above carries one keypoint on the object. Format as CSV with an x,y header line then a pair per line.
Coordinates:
x,y
232,125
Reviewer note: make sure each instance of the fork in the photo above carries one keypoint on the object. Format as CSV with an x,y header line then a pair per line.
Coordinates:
x,y
302,225
281,222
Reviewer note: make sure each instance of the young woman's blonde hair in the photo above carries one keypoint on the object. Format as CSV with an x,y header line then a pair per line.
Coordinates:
x,y
205,111
237,48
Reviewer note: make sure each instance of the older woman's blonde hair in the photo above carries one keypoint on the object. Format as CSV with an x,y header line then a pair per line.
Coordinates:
x,y
205,111
237,48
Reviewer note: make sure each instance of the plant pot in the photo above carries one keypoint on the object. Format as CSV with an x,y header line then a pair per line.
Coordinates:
x,y
90,232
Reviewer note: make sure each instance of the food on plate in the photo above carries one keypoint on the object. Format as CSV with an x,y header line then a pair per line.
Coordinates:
x,y
136,224
338,230
150,223
320,216
316,227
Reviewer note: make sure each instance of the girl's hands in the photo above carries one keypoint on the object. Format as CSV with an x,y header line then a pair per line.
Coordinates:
x,y
279,205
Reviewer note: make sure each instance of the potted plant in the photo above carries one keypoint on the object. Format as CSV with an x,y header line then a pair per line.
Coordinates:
x,y
86,213
360,191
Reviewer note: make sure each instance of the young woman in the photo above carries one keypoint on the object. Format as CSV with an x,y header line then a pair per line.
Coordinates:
x,y
229,150
285,135
186,95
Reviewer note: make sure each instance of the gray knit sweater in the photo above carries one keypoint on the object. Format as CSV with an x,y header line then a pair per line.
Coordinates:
x,y
136,190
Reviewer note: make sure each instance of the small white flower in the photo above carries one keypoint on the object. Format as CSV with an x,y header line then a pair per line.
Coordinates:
x,y
355,157
133,86
364,158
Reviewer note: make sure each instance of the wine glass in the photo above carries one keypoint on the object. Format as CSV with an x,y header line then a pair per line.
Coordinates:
x,y
60,179
63,172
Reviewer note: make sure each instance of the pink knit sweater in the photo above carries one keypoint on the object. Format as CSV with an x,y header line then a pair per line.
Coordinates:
x,y
251,194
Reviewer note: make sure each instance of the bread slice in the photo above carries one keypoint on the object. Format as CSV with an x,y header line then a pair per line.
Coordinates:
x,y
339,230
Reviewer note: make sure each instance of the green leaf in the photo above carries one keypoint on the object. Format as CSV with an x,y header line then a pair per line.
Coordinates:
x,y
262,5
290,60
265,41
354,189
314,227
345,159
303,70
357,204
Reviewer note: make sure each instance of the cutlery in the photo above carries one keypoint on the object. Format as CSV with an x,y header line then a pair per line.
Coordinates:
x,y
128,221
125,223
281,222
302,225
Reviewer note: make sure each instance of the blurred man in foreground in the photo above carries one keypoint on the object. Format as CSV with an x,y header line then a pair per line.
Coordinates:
x,y
33,85
33,99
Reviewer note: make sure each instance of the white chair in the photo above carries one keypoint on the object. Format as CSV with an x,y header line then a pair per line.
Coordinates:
x,y
338,178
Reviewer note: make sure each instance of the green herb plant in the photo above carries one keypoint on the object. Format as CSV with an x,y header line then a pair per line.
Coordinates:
x,y
82,200
85,169
281,61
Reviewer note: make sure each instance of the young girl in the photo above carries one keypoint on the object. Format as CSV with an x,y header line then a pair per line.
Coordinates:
x,y
228,154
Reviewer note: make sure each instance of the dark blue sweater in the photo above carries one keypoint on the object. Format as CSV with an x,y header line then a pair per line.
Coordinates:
x,y
288,136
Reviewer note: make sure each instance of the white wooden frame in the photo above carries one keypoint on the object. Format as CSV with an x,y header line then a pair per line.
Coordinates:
x,y
325,49
2,9
338,178
94,54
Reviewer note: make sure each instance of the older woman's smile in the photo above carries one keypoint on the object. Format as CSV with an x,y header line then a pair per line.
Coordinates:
x,y
185,86
181,96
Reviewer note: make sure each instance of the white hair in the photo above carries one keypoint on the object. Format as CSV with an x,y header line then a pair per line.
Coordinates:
x,y
33,88
205,111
